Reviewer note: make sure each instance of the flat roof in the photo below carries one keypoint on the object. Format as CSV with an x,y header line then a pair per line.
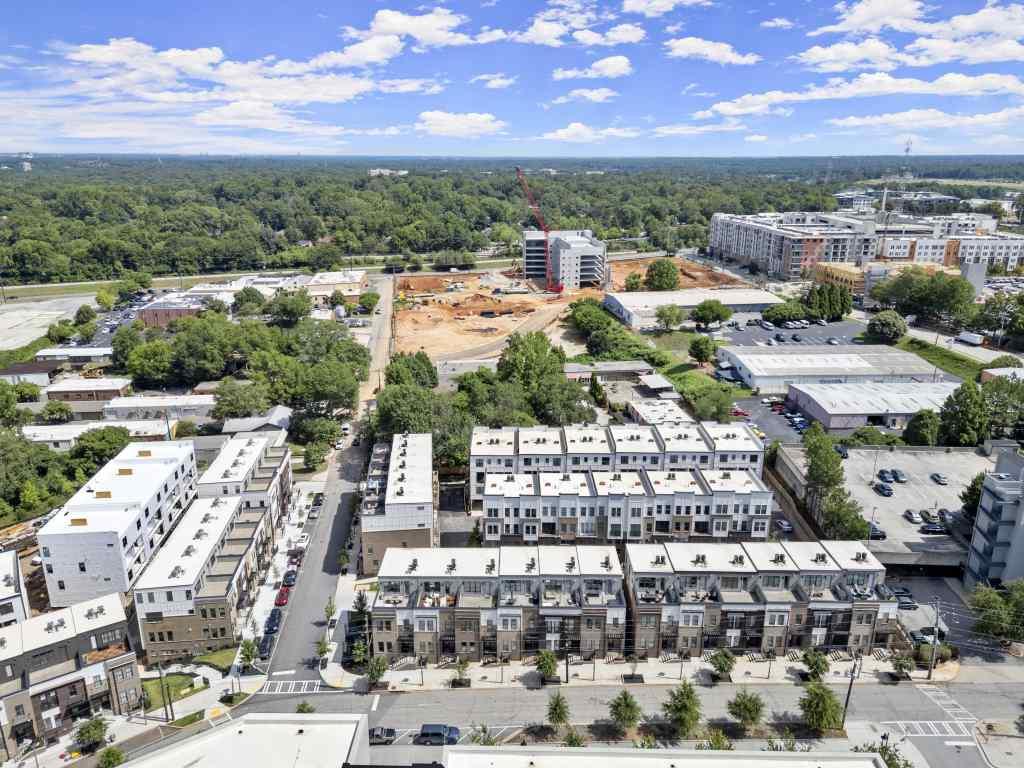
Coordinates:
x,y
590,439
33,366
10,574
518,561
341,276
75,352
609,366
656,381
556,560
510,486
57,432
647,558
683,438
161,401
598,561
57,626
411,470
264,739
657,411
676,481
823,360
192,543
718,557
852,555
235,461
736,480
540,440
568,484
634,438
488,441
649,301
617,483
856,398
436,563
736,436
79,384
769,556
811,556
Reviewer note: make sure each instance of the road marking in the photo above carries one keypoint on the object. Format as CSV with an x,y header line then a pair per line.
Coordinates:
x,y
943,728
285,672
946,703
376,701
273,687
960,743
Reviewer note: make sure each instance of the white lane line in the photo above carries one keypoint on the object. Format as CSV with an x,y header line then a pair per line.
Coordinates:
x,y
376,701
960,743
285,672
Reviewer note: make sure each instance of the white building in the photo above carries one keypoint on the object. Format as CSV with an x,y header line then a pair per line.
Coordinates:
x,y
62,437
537,756
852,405
101,539
14,606
194,408
350,282
577,257
653,411
638,309
76,356
254,469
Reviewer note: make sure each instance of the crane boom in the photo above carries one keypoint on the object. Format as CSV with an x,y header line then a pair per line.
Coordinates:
x,y
552,284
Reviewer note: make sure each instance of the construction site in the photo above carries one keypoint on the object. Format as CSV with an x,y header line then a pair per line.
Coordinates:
x,y
691,274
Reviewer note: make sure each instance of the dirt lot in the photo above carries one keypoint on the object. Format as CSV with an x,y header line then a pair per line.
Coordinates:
x,y
691,274
460,317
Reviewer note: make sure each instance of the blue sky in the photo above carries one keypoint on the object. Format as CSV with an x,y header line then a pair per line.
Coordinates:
x,y
513,77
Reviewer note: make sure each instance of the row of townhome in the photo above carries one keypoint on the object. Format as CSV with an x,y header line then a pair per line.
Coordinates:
x,y
618,448
760,596
610,507
672,599
190,598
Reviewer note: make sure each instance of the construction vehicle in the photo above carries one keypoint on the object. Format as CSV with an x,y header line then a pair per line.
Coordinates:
x,y
552,283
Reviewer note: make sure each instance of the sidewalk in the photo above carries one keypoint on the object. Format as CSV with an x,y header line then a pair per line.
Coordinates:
x,y
784,671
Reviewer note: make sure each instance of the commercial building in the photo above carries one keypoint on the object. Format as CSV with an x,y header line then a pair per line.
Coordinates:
x,y
13,597
762,596
349,282
771,370
577,257
606,371
507,602
399,507
62,666
62,437
162,311
297,741
195,408
635,505
1014,374
74,389
38,372
620,447
653,411
852,405
855,198
77,357
101,539
638,309
996,554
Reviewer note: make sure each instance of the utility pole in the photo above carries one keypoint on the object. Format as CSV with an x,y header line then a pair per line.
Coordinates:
x,y
849,689
163,690
935,639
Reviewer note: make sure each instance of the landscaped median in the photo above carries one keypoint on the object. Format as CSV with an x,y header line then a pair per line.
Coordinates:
x,y
944,359
173,686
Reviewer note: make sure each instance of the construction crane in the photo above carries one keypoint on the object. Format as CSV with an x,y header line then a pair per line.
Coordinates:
x,y
552,284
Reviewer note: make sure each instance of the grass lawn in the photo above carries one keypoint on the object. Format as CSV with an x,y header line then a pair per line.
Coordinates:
x,y
220,660
179,686
195,717
674,341
234,699
945,359
23,354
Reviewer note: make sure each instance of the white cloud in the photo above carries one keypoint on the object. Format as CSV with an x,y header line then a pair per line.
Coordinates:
x,y
582,133
466,125
755,138
655,8
595,95
617,35
611,67
542,32
777,23
871,85
7,61
435,29
926,119
698,48
802,137
926,52
496,81
692,129
691,90
375,50
872,16
871,53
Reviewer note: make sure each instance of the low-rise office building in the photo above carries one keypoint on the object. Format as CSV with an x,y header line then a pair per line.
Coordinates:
x,y
638,309
606,371
77,357
75,389
195,408
164,310
348,282
62,437
507,603
399,506
756,596
613,507
13,597
101,539
848,406
38,372
63,666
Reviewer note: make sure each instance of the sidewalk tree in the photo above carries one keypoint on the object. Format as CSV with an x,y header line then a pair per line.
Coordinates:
x,y
359,653
558,710
304,708
816,663
723,661
547,664
359,604
343,560
111,757
682,709
923,428
624,711
716,740
91,734
902,665
820,707
329,609
247,653
962,420
709,312
669,316
461,668
322,649
747,708
890,754
702,349
375,669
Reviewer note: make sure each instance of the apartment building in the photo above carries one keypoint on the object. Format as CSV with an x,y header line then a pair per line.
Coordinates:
x,y
614,506
399,506
63,666
507,602
13,597
577,257
686,597
620,447
189,599
101,539
996,555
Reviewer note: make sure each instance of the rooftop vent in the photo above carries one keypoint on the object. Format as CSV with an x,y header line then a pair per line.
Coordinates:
x,y
531,564
189,551
607,563
490,565
8,580
200,534
177,572
860,556
124,470
819,557
700,560
414,564
451,566
779,558
737,559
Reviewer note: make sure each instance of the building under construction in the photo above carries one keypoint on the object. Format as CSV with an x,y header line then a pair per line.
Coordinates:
x,y
578,259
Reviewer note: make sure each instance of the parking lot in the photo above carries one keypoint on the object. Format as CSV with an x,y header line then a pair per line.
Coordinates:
x,y
774,425
754,335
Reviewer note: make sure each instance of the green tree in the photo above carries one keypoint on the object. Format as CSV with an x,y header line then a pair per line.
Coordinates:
x,y
313,456
963,420
91,734
247,653
634,282
529,359
84,314
710,311
125,339
185,428
820,707
105,299
787,743
87,331
890,754
841,516
994,614
96,447
326,387
922,429
337,299
415,368
970,496
824,466
304,708
237,399
902,665
781,313
682,709
359,653
60,331
329,608
702,349
558,710
547,664
8,402
150,364
288,308
110,758
723,661
475,539
368,300
26,392
716,740
56,412
669,316
747,708
1004,361
248,301
574,738
482,736
322,649
817,664
376,669
713,405
887,326
662,275
624,711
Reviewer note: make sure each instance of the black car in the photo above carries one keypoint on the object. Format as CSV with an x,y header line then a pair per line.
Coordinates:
x,y
267,646
780,337
907,604
797,337
289,578
875,533
883,489
885,476
898,476
273,622
901,591
932,529
379,736
437,735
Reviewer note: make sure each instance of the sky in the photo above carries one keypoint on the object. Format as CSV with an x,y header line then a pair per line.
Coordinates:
x,y
513,77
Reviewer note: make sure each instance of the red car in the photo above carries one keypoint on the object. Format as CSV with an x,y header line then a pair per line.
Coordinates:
x,y
282,596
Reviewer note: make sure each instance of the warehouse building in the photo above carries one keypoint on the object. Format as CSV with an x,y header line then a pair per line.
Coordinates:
x,y
771,370
577,257
638,309
848,406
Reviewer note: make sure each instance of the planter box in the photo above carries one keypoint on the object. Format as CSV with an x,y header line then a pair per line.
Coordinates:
x,y
464,683
557,680
633,679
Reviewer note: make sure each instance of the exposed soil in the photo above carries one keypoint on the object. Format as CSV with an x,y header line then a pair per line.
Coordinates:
x,y
691,274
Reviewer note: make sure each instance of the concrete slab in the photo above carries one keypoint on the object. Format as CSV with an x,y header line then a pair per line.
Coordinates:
x,y
22,322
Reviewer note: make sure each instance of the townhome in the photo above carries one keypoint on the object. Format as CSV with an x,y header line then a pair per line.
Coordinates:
x,y
189,599
635,447
507,602
14,605
62,437
540,449
587,448
76,389
686,446
101,539
63,666
735,446
870,619
490,451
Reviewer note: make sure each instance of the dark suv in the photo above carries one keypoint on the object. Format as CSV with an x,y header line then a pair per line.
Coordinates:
x,y
273,622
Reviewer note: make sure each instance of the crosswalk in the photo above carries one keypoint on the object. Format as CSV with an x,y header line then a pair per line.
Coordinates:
x,y
283,687
946,703
943,728
502,734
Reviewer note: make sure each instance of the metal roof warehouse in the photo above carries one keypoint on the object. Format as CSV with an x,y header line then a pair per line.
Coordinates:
x,y
852,405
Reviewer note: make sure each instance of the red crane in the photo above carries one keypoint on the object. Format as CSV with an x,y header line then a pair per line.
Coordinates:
x,y
552,284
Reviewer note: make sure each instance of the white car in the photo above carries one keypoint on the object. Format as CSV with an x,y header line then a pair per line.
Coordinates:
x,y
339,445
302,542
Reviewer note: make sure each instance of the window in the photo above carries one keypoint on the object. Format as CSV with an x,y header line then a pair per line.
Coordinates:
x,y
170,596
81,567
46,551
49,568
60,584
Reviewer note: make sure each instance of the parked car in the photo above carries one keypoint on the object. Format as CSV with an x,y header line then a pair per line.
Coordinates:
x,y
939,479
842,451
739,412
380,736
928,516
767,326
784,526
898,475
433,735
282,596
819,321
885,476
916,637
273,622
929,633
290,578
339,445
779,337
797,337
267,646
912,516
833,341
302,542
907,604
883,489
901,591
875,533
933,529
295,560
